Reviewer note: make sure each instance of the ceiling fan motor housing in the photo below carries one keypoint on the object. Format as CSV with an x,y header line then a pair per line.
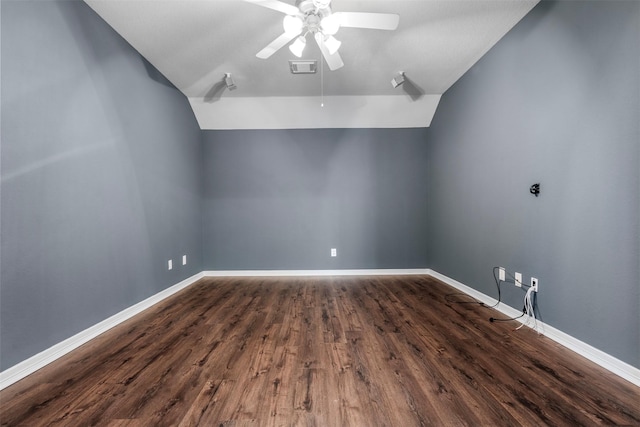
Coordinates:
x,y
313,11
321,4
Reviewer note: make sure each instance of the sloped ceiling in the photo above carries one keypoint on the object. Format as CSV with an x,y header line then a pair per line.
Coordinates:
x,y
195,42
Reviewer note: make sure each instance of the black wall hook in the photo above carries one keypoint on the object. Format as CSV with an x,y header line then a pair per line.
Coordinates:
x,y
535,189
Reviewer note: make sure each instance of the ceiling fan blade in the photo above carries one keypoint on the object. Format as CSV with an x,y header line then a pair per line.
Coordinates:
x,y
333,61
285,8
276,45
374,21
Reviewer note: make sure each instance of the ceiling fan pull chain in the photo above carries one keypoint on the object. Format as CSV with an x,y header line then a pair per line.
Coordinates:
x,y
321,80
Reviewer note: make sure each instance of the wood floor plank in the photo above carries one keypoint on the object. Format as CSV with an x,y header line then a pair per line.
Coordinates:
x,y
214,403
323,351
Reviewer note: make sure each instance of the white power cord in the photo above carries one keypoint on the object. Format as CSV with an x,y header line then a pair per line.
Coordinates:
x,y
529,311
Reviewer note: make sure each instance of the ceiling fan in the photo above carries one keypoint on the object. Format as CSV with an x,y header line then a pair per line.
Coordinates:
x,y
316,17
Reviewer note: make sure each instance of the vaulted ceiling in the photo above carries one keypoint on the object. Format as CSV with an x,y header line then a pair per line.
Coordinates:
x,y
194,43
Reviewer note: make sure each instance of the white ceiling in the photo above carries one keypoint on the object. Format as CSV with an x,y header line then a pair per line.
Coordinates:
x,y
195,42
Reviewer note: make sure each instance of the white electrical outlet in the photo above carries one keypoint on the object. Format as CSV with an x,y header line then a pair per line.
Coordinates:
x,y
184,260
502,274
518,279
334,252
534,284
170,265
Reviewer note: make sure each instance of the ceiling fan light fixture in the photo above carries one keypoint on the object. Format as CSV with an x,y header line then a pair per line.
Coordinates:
x,y
292,24
297,47
330,24
332,44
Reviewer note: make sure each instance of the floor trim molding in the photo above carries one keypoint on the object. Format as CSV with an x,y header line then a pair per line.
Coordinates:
x,y
40,360
612,364
308,273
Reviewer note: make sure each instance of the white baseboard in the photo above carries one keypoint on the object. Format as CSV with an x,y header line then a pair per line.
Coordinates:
x,y
303,273
38,361
29,366
616,366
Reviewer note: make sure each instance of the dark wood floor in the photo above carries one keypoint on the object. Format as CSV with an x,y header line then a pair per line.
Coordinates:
x,y
344,351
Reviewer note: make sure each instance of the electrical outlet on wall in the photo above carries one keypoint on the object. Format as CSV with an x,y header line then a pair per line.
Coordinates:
x,y
518,279
502,274
534,284
334,252
184,260
170,265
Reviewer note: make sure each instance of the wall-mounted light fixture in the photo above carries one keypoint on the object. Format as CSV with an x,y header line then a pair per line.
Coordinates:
x,y
398,79
228,80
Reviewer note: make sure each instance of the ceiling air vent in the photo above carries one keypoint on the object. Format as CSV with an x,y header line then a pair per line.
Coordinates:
x,y
303,67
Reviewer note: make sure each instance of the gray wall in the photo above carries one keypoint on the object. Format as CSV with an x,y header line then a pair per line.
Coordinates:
x,y
101,177
104,178
282,199
557,101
